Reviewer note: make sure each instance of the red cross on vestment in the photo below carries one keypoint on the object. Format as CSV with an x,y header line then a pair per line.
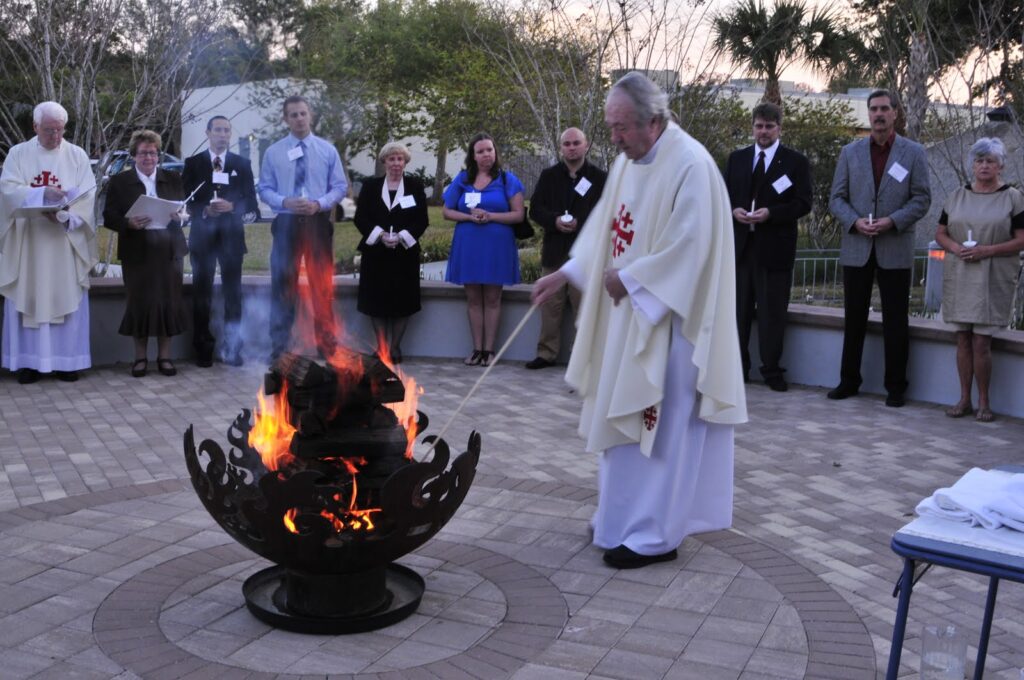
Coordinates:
x,y
623,234
45,179
650,417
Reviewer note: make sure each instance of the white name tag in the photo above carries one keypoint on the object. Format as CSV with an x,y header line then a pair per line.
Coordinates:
x,y
472,199
408,202
898,172
221,178
781,184
295,152
583,186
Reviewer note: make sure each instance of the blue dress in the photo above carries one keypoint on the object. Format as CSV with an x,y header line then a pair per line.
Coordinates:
x,y
483,253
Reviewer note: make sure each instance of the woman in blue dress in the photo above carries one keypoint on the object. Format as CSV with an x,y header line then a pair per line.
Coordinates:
x,y
485,201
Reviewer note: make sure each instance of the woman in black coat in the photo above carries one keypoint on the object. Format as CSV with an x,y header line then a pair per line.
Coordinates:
x,y
152,259
391,214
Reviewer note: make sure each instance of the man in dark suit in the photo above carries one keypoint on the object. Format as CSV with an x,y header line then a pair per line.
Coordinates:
x,y
562,200
224,203
879,192
769,190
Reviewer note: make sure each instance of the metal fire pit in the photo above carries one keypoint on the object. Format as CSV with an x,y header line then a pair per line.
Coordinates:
x,y
334,568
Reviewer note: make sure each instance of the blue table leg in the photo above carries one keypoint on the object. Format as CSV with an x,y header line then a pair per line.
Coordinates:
x,y
899,628
986,627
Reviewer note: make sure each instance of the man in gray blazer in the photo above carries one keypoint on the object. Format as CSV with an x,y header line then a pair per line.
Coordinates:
x,y
879,192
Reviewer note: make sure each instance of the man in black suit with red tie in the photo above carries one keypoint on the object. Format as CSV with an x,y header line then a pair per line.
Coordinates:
x,y
224,203
769,189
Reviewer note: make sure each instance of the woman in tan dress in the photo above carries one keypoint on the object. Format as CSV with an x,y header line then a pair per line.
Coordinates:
x,y
982,230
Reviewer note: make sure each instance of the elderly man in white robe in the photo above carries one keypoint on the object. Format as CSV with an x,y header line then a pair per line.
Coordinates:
x,y
46,257
656,357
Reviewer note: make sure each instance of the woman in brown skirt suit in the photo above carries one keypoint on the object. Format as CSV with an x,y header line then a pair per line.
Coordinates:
x,y
152,257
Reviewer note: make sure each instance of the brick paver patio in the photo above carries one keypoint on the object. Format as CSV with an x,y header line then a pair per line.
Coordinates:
x,y
111,568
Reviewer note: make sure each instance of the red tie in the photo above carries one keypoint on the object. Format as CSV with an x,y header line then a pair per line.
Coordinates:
x,y
217,167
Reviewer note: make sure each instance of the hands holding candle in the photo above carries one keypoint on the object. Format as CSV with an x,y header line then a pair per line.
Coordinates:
x,y
871,226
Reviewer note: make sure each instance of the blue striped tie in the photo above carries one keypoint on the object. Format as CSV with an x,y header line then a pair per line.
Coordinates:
x,y
300,170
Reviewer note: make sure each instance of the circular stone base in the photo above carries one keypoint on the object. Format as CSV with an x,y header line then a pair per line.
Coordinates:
x,y
405,586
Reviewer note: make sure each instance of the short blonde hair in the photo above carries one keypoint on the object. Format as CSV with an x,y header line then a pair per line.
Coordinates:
x,y
392,148
144,137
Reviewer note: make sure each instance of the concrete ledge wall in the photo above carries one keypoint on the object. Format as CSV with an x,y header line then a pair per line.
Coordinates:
x,y
813,341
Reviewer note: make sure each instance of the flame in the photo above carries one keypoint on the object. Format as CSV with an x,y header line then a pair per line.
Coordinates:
x,y
289,520
272,432
406,410
354,518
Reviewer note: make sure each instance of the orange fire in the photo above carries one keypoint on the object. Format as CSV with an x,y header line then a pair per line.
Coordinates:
x,y
272,432
406,410
354,518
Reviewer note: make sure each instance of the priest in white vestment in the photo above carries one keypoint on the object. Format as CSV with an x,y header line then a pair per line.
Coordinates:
x,y
45,258
656,357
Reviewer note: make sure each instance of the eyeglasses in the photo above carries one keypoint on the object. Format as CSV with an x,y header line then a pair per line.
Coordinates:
x,y
147,153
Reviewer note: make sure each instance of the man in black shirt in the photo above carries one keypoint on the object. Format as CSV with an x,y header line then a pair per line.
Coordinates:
x,y
562,200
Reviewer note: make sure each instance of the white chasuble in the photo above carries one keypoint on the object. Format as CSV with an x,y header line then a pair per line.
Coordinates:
x,y
44,266
668,226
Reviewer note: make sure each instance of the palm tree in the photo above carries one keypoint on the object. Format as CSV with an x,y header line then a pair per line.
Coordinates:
x,y
768,42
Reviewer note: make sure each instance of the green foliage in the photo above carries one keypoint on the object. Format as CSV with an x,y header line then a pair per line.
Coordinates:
x,y
717,120
960,34
529,264
767,42
436,244
819,129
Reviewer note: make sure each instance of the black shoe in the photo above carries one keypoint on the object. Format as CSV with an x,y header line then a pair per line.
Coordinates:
x,y
27,376
139,368
539,362
895,400
776,384
204,360
66,376
843,392
624,558
166,367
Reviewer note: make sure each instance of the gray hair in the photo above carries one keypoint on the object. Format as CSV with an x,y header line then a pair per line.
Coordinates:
x,y
649,101
51,110
988,146
393,148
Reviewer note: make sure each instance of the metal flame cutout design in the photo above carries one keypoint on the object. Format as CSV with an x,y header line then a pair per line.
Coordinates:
x,y
328,533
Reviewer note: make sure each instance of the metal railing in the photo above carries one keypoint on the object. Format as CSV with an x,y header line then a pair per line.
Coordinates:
x,y
818,279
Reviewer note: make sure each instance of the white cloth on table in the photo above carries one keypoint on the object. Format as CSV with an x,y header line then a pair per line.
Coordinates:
x,y
985,498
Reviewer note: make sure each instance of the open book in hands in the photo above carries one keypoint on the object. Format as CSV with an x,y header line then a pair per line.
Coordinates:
x,y
160,211
72,197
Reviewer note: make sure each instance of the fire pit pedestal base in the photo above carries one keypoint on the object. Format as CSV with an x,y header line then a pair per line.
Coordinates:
x,y
332,604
